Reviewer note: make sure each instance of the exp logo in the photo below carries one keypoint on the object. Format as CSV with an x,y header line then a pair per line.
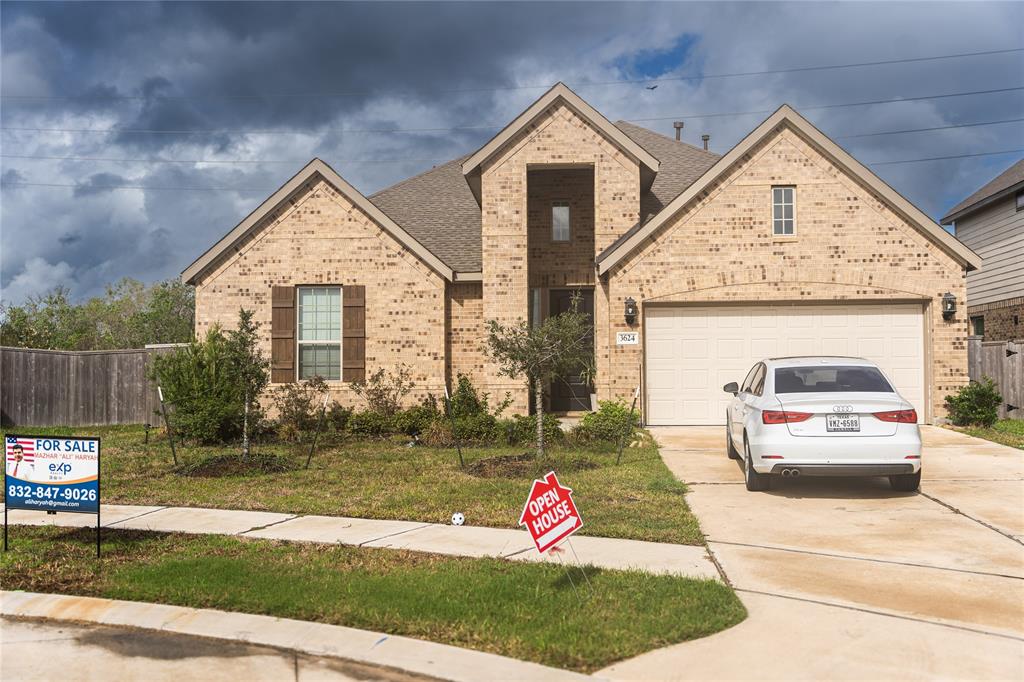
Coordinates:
x,y
62,468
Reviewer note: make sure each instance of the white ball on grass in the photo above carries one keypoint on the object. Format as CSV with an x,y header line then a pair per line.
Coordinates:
x,y
458,519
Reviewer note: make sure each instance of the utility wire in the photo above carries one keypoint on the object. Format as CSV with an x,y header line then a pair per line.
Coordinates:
x,y
624,81
271,189
293,162
493,127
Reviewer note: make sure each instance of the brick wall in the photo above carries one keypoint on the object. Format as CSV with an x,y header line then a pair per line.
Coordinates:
x,y
466,332
556,264
558,138
319,237
848,246
1004,320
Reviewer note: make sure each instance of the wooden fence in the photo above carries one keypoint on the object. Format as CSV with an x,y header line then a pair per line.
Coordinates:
x,y
77,388
1003,361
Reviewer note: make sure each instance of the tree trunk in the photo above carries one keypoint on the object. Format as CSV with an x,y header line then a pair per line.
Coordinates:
x,y
538,389
245,429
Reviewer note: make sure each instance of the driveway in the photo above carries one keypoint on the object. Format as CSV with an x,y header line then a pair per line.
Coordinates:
x,y
844,578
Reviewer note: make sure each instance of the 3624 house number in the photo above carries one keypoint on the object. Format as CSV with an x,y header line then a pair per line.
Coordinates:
x,y
627,338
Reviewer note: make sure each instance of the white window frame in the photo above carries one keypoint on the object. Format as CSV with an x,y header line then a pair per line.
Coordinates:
x,y
568,221
779,224
1019,200
300,342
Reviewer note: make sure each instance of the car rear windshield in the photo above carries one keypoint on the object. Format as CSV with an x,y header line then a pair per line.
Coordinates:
x,y
831,379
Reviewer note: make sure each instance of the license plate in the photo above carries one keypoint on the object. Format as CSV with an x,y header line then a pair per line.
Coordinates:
x,y
842,422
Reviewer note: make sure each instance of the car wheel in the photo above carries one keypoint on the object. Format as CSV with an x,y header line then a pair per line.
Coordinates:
x,y
755,482
906,483
730,449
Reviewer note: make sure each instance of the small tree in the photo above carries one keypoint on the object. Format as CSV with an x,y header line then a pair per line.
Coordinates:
x,y
249,369
542,353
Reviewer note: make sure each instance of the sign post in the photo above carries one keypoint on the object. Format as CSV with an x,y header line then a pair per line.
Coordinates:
x,y
52,474
550,514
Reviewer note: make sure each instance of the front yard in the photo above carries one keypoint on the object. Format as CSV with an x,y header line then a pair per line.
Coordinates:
x,y
528,611
1006,432
639,499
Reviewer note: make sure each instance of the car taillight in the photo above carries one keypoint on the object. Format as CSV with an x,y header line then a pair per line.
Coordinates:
x,y
898,416
783,416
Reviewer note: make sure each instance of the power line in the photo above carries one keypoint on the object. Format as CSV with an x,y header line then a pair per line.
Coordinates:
x,y
271,189
623,81
227,131
294,162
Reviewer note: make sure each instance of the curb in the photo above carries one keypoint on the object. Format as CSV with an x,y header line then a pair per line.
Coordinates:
x,y
442,661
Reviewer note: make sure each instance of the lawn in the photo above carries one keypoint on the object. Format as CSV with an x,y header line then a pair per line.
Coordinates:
x,y
527,611
1006,431
638,499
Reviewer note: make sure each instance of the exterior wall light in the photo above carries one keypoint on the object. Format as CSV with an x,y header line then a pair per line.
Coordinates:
x,y
630,311
948,306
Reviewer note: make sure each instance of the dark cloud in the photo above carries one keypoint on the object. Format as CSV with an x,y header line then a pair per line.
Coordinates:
x,y
303,74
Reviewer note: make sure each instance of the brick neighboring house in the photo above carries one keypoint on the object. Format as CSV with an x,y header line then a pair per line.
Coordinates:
x,y
991,222
786,245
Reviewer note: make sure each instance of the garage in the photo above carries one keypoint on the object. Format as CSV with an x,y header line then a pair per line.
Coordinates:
x,y
692,351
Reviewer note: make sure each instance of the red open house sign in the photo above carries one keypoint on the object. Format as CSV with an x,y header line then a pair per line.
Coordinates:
x,y
550,514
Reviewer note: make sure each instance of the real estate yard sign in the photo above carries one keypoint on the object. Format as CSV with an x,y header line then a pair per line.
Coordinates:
x,y
550,514
48,473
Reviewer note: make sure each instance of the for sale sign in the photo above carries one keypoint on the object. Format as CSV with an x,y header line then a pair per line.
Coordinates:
x,y
52,474
550,514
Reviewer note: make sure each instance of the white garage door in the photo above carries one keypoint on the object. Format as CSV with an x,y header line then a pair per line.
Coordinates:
x,y
692,352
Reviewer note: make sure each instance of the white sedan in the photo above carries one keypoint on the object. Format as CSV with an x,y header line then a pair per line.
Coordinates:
x,y
822,416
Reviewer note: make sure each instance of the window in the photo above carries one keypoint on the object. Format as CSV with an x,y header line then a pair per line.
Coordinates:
x,y
783,222
745,386
319,334
978,325
757,383
1020,200
830,380
560,221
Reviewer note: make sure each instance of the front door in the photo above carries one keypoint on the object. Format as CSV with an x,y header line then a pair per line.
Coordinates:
x,y
571,393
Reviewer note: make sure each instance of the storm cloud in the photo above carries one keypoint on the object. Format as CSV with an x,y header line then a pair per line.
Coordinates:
x,y
383,91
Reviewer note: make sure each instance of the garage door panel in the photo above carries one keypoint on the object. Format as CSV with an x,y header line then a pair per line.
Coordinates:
x,y
693,351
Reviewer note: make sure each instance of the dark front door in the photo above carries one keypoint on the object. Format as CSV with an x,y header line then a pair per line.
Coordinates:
x,y
571,393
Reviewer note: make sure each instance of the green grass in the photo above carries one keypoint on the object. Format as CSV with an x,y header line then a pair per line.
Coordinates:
x,y
1006,431
639,499
528,611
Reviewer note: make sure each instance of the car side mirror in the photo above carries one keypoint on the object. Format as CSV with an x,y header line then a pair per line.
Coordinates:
x,y
731,387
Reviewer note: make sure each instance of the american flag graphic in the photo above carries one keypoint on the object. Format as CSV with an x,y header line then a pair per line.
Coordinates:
x,y
28,451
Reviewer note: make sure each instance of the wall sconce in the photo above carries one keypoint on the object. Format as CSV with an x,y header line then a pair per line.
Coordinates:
x,y
630,311
948,306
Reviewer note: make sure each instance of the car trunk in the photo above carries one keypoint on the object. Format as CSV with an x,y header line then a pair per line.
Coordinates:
x,y
841,415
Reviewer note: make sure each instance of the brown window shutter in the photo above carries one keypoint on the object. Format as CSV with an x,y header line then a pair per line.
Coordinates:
x,y
282,335
353,332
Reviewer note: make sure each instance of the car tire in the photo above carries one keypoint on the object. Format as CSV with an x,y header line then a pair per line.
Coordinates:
x,y
906,483
730,449
755,482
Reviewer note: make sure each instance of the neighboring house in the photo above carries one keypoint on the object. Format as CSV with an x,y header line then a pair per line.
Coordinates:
x,y
786,245
991,222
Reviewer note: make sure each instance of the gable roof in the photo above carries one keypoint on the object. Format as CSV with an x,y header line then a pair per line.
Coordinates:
x,y
559,92
1004,184
785,114
297,183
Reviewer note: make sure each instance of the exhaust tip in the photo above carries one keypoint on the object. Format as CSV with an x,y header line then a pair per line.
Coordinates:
x,y
794,473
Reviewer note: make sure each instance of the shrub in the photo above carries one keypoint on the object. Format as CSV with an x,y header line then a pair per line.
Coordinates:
x,y
370,423
520,430
384,391
612,420
976,404
298,407
466,401
481,428
337,416
416,420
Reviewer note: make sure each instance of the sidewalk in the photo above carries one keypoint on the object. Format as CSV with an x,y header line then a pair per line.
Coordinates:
x,y
472,541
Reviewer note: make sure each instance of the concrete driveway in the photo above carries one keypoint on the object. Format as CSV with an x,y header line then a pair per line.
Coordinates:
x,y
844,578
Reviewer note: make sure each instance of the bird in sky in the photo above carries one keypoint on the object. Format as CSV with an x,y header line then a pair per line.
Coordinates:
x,y
652,87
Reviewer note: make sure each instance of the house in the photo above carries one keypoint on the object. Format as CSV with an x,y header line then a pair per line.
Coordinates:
x,y
991,223
786,245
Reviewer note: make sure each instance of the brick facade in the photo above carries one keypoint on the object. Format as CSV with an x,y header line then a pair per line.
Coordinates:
x,y
319,237
1004,320
848,246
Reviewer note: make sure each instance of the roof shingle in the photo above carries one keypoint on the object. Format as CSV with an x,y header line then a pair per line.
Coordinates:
x,y
1008,178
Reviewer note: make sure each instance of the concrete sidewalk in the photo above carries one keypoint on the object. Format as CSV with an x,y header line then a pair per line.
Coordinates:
x,y
472,541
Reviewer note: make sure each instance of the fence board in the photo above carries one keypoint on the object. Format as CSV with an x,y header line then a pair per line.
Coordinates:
x,y
1003,362
77,388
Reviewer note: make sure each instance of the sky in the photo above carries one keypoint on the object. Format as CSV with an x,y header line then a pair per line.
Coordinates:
x,y
203,110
